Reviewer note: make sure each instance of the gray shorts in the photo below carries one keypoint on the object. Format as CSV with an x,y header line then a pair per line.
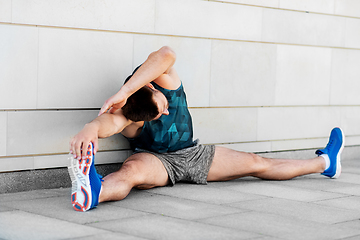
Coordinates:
x,y
189,164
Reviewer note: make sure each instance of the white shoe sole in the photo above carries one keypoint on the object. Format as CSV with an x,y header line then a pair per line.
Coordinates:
x,y
81,197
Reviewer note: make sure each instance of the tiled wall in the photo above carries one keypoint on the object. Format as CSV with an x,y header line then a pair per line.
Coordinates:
x,y
260,75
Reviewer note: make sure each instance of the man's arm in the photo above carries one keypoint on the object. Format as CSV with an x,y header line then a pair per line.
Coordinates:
x,y
103,126
157,67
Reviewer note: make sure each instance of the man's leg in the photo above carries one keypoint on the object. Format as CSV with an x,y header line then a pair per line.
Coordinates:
x,y
141,170
230,164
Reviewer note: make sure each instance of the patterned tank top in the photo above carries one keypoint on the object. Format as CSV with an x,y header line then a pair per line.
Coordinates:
x,y
170,132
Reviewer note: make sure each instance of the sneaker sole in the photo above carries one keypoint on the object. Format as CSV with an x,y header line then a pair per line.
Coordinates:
x,y
81,197
338,158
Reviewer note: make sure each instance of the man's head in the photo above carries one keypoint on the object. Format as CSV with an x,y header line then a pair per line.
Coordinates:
x,y
146,104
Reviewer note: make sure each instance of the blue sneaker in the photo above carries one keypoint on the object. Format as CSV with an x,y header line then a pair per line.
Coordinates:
x,y
86,183
334,149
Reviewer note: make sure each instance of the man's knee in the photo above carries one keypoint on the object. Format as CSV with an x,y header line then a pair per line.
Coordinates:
x,y
144,170
132,171
260,164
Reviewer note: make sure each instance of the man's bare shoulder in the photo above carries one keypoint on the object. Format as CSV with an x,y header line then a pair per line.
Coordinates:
x,y
133,129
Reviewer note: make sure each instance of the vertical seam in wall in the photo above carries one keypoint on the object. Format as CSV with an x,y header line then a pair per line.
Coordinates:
x,y
11,12
6,132
331,74
37,66
344,36
133,53
155,7
276,72
210,76
262,25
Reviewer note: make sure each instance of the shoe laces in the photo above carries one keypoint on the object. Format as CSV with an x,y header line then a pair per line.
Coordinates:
x,y
330,143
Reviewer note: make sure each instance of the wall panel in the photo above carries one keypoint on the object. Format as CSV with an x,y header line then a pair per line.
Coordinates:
x,y
47,132
347,7
81,69
3,133
345,76
243,74
302,75
5,10
208,19
18,66
120,15
303,28
265,3
352,33
224,125
319,6
296,122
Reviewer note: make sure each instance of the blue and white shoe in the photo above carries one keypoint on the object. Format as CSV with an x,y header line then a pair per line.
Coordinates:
x,y
86,183
334,149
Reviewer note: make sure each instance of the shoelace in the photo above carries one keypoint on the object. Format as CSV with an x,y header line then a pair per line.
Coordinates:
x,y
330,143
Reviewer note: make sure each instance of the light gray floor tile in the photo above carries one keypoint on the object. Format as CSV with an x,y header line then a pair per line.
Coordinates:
x,y
271,189
5,209
204,193
61,208
280,227
109,236
42,193
351,166
23,225
350,177
352,203
357,237
162,227
318,184
174,207
354,190
235,182
355,224
300,210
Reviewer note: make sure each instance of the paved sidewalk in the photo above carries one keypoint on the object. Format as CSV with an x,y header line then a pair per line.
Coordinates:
x,y
311,207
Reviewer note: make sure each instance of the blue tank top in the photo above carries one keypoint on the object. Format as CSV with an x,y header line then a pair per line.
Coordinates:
x,y
170,132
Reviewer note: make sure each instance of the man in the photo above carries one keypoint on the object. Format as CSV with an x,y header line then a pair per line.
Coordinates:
x,y
151,111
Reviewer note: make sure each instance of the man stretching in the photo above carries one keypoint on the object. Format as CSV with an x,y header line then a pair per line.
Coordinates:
x,y
150,110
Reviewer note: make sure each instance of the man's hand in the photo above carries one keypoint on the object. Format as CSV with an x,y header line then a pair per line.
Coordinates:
x,y
82,140
158,64
116,101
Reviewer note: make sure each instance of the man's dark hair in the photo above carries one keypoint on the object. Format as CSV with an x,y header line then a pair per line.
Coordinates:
x,y
140,106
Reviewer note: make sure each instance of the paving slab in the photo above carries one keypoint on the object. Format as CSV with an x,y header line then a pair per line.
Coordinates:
x,y
204,193
24,225
300,210
162,227
35,194
314,183
355,224
61,208
353,190
268,188
350,177
5,209
280,226
174,207
351,166
110,236
350,202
